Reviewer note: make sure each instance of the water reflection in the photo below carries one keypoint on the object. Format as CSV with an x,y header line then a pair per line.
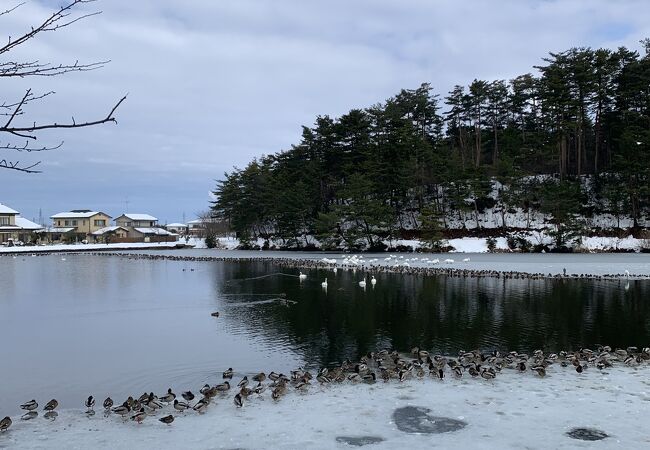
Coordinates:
x,y
438,313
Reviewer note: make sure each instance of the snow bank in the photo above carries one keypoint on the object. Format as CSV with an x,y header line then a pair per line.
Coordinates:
x,y
88,247
513,411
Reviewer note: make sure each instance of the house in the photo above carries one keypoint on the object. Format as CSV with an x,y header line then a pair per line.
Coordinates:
x,y
110,234
178,228
14,228
136,220
83,222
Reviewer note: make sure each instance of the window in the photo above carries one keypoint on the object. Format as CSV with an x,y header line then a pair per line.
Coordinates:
x,y
74,223
4,220
67,223
100,223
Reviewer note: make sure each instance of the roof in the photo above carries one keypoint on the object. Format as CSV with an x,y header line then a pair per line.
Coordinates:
x,y
156,231
139,217
55,230
77,215
107,230
176,225
27,224
7,210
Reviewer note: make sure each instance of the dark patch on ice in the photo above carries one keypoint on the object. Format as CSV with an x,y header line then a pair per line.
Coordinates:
x,y
413,419
587,434
359,441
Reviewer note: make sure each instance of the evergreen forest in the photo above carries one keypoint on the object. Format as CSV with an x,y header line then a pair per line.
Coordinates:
x,y
570,141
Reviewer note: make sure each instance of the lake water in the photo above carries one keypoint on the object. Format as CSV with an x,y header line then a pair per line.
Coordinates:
x,y
106,325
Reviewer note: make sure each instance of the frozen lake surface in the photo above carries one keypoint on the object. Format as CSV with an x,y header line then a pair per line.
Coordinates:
x,y
513,411
76,325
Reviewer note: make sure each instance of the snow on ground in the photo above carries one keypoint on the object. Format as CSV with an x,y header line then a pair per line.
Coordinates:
x,y
513,411
86,247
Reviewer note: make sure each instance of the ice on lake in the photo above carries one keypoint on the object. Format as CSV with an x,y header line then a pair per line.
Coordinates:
x,y
513,411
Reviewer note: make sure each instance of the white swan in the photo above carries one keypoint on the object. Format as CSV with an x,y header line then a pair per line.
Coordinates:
x,y
449,261
324,283
466,260
362,283
373,280
302,276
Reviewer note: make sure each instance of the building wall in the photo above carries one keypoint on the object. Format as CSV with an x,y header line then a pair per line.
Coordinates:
x,y
84,225
126,222
7,219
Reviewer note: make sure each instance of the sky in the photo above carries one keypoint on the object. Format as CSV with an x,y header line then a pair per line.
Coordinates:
x,y
212,84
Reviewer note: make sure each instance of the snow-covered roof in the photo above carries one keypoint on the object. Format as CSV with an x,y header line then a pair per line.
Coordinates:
x,y
77,215
6,210
55,230
176,225
25,224
156,231
139,217
107,230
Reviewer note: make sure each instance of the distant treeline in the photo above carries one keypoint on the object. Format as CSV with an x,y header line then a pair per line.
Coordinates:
x,y
572,140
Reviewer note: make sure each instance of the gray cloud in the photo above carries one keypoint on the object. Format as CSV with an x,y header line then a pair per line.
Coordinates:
x,y
214,83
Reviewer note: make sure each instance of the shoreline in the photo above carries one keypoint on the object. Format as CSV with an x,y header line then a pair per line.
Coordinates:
x,y
371,268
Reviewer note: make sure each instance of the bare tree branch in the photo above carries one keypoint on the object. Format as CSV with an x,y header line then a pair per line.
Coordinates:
x,y
61,18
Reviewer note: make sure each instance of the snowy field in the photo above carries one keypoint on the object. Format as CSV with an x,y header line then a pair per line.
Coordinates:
x,y
513,411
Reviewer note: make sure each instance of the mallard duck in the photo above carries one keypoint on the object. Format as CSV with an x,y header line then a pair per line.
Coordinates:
x,y
144,398
259,377
521,366
168,397
370,377
259,388
51,415
90,402
274,376
29,415
188,396
458,371
201,406
108,403
51,405
245,391
223,387
180,406
239,400
228,374
354,377
5,424
243,382
579,368
167,419
488,374
215,314
278,392
30,405
323,379
123,410
541,370
139,416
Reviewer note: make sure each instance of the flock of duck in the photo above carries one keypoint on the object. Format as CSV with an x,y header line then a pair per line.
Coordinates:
x,y
385,365
391,264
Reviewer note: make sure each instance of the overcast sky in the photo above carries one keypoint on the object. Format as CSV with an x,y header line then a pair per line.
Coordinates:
x,y
216,82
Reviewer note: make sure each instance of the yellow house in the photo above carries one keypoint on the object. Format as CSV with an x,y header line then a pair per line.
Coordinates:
x,y
83,221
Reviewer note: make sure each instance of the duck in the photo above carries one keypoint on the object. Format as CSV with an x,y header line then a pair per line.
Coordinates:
x,y
122,410
51,405
238,400
541,370
324,284
243,382
488,374
373,280
227,374
139,416
259,377
245,392
223,387
30,405
302,276
90,402
201,406
215,314
108,403
259,388
180,406
29,415
167,419
168,397
273,376
370,378
206,388
5,424
51,415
